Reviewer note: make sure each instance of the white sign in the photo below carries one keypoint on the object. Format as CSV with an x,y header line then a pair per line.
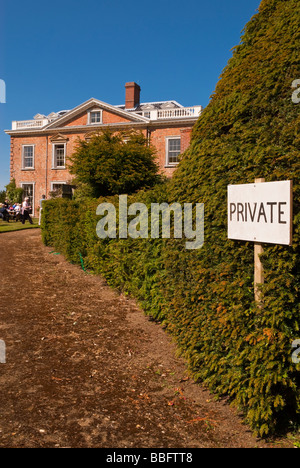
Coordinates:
x,y
261,212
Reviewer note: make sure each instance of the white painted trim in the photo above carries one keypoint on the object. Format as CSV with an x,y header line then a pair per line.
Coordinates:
x,y
33,194
93,111
33,157
190,121
87,105
57,182
53,155
168,138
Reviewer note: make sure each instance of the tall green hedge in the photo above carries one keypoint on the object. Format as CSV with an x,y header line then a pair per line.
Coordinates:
x,y
205,298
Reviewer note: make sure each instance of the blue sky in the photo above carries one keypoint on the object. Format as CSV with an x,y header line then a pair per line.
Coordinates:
x,y
56,55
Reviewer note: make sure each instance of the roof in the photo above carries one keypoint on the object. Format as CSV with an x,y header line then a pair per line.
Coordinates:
x,y
140,115
152,105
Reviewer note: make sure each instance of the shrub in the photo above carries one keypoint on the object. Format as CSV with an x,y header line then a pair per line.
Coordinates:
x,y
13,193
114,163
2,196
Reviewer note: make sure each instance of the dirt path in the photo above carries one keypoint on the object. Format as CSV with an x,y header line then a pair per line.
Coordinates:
x,y
85,368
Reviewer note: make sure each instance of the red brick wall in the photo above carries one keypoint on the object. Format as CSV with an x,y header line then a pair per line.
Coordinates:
x,y
158,139
79,120
39,175
44,153
109,118
186,134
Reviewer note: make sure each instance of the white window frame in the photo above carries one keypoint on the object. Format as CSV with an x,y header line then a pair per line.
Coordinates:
x,y
54,165
168,139
23,158
94,111
57,182
33,194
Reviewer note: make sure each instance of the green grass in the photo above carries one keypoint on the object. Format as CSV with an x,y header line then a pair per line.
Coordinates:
x,y
13,226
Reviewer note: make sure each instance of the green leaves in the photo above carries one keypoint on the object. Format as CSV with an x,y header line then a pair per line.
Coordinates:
x,y
111,163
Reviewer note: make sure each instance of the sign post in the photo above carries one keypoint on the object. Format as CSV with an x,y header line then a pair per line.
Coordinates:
x,y
258,270
261,213
258,266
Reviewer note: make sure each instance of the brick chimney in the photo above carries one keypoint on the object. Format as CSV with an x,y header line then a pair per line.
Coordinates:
x,y
132,98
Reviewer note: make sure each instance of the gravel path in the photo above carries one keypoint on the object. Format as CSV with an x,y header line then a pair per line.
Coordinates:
x,y
85,368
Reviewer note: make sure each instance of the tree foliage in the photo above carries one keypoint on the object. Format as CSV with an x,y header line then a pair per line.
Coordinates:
x,y
14,193
114,163
250,129
2,196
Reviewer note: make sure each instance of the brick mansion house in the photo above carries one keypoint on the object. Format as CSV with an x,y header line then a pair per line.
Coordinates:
x,y
40,148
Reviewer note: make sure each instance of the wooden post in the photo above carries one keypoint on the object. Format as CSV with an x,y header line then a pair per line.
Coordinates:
x,y
258,271
258,267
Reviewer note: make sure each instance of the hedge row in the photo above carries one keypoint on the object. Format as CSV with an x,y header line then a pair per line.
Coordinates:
x,y
233,347
206,297
70,227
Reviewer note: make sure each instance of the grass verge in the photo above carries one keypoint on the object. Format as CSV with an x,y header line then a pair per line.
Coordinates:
x,y
13,226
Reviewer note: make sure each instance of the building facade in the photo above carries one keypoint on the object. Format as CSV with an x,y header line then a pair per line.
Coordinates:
x,y
40,148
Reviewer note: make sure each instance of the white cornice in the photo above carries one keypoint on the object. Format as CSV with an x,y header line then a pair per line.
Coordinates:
x,y
85,128
87,105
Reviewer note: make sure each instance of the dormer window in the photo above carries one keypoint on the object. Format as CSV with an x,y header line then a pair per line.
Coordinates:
x,y
95,117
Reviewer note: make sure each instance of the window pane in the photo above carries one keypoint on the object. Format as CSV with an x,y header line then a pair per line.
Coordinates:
x,y
174,145
173,159
28,156
95,117
59,156
174,150
28,192
28,151
56,187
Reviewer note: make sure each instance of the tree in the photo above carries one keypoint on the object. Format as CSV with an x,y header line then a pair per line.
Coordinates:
x,y
113,164
2,196
13,193
249,129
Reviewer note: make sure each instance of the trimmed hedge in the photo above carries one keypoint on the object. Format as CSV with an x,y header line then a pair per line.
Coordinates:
x,y
205,298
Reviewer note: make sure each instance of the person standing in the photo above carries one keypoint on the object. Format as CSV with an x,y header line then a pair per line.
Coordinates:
x,y
4,213
41,208
25,211
18,212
